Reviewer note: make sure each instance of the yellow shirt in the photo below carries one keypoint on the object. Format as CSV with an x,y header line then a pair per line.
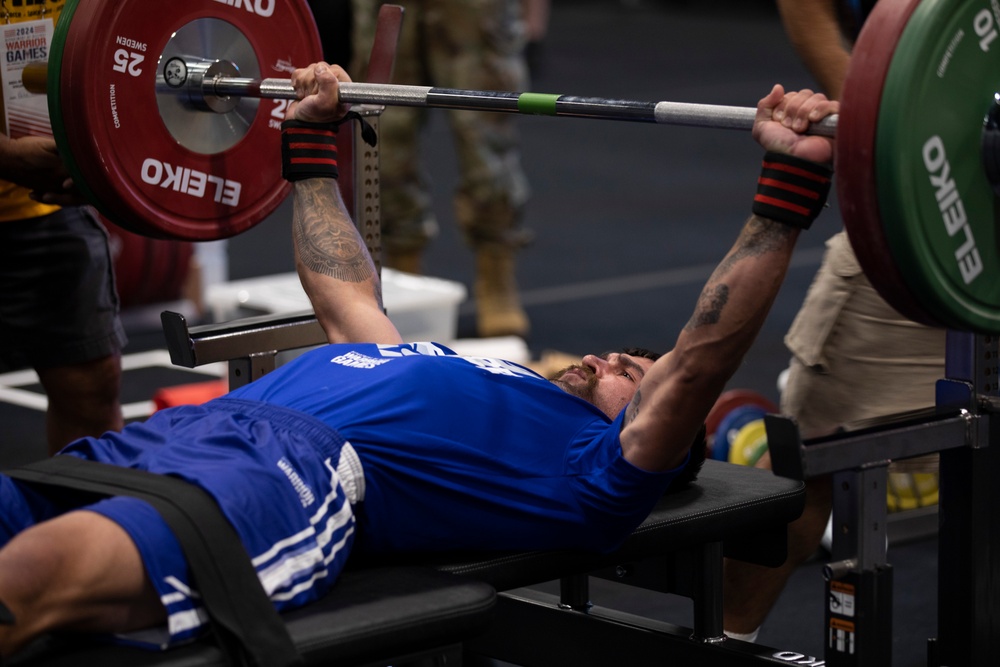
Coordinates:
x,y
14,201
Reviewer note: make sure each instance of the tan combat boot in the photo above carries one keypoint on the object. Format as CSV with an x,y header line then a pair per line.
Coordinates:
x,y
498,305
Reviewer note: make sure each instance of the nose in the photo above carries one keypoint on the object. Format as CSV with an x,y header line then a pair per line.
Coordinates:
x,y
598,364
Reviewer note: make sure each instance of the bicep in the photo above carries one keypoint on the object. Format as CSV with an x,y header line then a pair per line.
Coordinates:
x,y
663,418
360,322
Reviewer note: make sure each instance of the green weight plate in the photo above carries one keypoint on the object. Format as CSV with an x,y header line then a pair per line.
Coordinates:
x,y
939,210
54,96
855,157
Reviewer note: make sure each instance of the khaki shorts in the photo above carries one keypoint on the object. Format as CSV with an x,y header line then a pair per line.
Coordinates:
x,y
854,357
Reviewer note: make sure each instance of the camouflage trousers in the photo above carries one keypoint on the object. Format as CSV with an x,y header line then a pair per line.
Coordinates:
x,y
467,44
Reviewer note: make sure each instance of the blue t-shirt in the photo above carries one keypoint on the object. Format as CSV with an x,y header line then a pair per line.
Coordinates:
x,y
463,452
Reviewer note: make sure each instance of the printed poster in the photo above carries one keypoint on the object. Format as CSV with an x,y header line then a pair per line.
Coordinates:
x,y
26,42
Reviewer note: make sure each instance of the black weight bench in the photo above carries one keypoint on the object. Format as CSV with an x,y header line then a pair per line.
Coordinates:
x,y
374,616
399,612
731,511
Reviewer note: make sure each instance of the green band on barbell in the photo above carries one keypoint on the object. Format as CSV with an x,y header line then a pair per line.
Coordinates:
x,y
540,104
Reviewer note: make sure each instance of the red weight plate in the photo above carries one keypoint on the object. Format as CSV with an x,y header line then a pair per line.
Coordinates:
x,y
146,176
731,399
855,159
383,55
147,270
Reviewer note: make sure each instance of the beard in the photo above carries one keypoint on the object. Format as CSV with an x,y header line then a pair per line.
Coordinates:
x,y
580,384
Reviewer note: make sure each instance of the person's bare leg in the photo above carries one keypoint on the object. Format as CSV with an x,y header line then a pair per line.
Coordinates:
x,y
81,572
750,591
84,399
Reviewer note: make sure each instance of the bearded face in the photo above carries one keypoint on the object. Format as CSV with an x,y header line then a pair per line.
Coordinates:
x,y
608,382
578,380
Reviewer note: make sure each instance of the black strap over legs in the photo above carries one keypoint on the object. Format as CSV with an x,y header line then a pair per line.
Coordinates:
x,y
244,620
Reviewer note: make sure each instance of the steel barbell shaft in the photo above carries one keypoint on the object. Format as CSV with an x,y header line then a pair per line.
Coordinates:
x,y
667,113
385,94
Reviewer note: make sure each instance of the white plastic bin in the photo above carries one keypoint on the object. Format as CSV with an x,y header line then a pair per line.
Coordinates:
x,y
421,307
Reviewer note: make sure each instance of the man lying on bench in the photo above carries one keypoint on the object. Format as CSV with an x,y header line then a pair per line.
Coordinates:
x,y
381,447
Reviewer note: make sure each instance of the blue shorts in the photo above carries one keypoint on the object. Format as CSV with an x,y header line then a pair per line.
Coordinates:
x,y
284,480
58,304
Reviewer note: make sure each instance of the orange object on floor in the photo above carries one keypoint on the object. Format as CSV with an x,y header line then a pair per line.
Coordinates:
x,y
190,394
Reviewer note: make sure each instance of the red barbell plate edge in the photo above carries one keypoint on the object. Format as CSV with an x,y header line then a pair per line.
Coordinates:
x,y
383,56
855,157
112,170
75,100
732,399
55,102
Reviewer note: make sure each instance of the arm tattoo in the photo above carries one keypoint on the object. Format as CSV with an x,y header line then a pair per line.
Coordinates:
x,y
633,409
326,239
710,305
759,238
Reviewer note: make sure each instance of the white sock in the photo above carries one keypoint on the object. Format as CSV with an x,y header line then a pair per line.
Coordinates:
x,y
747,637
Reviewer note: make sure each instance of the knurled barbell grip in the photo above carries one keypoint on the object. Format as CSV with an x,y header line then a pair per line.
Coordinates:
x,y
667,113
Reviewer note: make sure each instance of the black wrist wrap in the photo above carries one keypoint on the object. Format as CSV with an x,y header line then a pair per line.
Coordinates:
x,y
308,150
791,190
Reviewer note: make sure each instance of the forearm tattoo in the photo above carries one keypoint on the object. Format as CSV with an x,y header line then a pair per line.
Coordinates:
x,y
710,305
326,239
758,238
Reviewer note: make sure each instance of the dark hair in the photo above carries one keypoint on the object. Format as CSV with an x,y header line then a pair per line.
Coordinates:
x,y
640,352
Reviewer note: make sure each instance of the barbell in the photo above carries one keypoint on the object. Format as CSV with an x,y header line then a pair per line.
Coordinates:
x,y
166,125
218,92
